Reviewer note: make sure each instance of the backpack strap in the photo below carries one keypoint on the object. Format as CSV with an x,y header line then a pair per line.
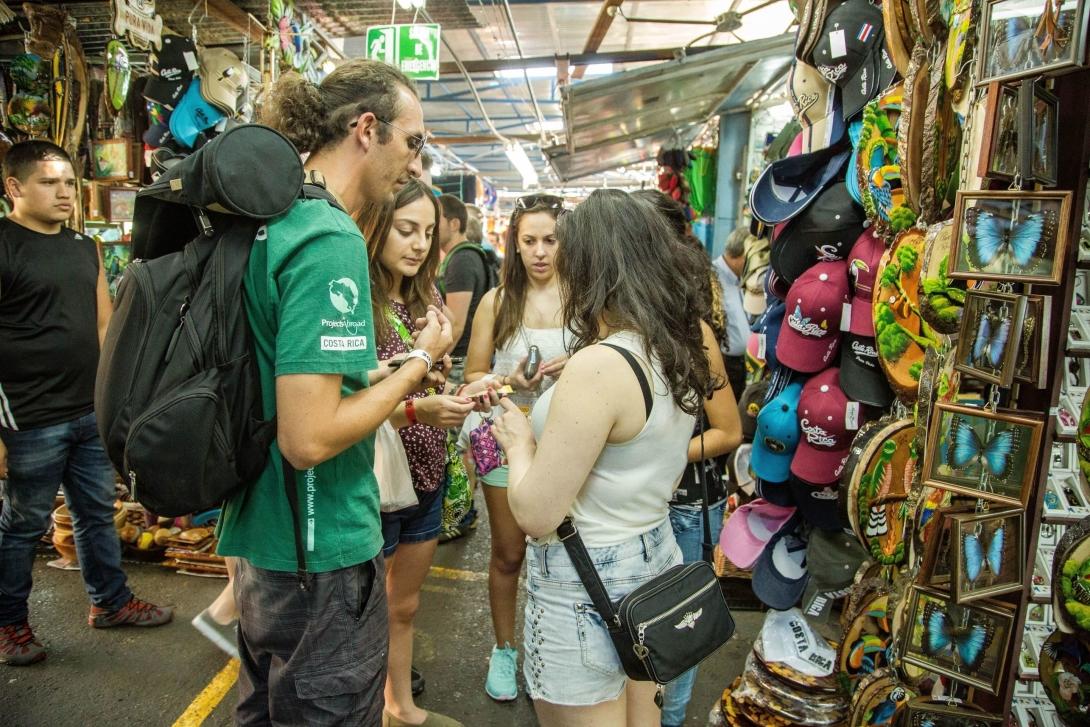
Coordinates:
x,y
640,376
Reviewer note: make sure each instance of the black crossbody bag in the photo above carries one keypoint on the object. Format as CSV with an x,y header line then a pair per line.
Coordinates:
x,y
674,621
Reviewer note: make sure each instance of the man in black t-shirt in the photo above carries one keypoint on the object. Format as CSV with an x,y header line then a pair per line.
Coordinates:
x,y
465,278
54,309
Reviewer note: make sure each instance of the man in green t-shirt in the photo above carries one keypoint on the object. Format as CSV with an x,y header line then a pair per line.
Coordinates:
x,y
313,648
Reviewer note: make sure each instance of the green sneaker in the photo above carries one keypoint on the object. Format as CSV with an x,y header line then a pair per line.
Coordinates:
x,y
501,684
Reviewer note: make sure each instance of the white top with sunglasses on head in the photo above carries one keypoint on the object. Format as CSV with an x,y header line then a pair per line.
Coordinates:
x,y
628,490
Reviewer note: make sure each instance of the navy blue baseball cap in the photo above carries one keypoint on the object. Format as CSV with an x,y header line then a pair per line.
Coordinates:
x,y
769,325
780,576
778,493
777,435
786,187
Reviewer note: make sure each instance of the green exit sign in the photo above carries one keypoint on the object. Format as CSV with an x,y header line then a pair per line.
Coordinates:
x,y
412,48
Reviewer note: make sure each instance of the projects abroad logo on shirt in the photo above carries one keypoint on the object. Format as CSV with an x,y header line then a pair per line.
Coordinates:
x,y
344,295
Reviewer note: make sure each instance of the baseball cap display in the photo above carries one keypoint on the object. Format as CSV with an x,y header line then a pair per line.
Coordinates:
x,y
768,327
753,276
743,475
787,186
816,104
193,115
827,419
818,504
833,558
777,435
824,231
810,333
749,405
780,575
749,529
778,493
848,52
173,66
863,261
787,638
223,79
861,375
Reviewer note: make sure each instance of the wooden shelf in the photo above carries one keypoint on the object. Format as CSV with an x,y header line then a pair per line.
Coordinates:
x,y
1065,438
1046,600
1070,353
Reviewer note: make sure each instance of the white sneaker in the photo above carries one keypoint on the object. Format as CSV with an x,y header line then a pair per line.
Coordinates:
x,y
225,637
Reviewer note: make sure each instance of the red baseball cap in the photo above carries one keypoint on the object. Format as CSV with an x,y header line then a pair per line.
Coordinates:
x,y
815,302
863,262
826,420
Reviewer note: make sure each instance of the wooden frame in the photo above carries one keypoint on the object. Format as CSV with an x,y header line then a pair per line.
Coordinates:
x,y
112,159
1002,118
949,658
1029,365
964,525
121,202
998,261
923,712
1005,57
1004,315
1038,140
1014,482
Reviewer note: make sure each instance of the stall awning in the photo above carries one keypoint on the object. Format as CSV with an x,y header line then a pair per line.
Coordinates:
x,y
624,118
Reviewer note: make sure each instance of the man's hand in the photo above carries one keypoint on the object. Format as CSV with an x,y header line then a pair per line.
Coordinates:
x,y
443,411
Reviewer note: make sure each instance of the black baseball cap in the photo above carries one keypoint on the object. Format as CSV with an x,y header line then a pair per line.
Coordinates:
x,y
848,53
174,65
861,375
825,231
818,504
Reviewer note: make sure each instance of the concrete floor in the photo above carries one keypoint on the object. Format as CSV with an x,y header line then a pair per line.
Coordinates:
x,y
149,677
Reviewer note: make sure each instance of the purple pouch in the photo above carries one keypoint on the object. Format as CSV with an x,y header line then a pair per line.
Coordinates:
x,y
487,455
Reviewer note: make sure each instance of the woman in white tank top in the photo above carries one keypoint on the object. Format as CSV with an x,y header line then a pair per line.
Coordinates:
x,y
599,451
523,312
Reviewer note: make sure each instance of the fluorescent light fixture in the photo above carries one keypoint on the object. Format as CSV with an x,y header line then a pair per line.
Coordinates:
x,y
599,69
536,72
550,125
517,156
410,4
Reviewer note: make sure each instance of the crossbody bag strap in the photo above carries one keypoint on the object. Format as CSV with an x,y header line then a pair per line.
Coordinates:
x,y
588,574
705,513
640,375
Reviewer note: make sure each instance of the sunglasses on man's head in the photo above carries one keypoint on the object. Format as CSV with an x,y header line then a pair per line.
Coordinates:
x,y
549,201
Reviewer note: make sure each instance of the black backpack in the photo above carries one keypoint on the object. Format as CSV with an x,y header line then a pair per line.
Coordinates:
x,y
178,395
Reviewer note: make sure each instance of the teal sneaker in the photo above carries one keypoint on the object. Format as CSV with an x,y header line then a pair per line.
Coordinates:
x,y
501,684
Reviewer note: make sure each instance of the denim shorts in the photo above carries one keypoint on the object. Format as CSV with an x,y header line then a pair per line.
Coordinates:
x,y
417,524
569,657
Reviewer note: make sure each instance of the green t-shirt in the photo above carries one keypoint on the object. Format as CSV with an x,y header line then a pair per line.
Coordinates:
x,y
309,303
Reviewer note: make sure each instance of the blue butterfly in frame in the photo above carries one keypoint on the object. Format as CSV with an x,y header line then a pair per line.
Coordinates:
x,y
991,340
969,643
976,557
993,237
966,449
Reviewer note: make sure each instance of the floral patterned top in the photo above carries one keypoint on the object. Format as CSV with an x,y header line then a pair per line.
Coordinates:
x,y
425,445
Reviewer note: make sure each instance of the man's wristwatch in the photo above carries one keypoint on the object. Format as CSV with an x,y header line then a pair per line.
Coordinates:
x,y
422,355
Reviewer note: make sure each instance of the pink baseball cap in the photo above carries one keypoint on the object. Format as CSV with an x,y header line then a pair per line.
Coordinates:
x,y
863,262
811,327
826,420
749,528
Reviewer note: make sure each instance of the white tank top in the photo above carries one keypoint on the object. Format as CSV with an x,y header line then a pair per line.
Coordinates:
x,y
551,342
628,491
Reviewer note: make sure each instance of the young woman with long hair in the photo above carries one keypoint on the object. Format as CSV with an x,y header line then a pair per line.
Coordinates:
x,y
524,311
404,256
722,434
597,450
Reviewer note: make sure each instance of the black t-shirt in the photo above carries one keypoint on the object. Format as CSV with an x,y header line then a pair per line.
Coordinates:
x,y
48,326
466,272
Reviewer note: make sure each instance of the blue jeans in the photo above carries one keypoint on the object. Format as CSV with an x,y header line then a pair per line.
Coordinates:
x,y
689,533
70,455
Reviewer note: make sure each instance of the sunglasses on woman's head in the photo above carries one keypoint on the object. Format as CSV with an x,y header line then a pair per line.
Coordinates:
x,y
549,201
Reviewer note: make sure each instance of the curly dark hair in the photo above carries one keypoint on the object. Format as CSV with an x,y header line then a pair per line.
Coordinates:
x,y
617,264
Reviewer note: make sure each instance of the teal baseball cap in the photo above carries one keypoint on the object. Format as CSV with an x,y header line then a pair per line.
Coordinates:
x,y
193,115
777,436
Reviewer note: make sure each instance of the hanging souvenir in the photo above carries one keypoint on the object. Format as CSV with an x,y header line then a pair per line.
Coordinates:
x,y
1040,126
118,74
1064,668
967,643
868,639
927,712
1000,155
988,346
1015,236
1023,39
879,700
878,165
1071,579
980,453
943,297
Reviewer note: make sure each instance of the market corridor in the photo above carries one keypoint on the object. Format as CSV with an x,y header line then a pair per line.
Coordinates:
x,y
156,677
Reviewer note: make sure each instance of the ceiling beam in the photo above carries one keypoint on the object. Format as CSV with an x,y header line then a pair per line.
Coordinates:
x,y
598,31
480,139
490,65
237,18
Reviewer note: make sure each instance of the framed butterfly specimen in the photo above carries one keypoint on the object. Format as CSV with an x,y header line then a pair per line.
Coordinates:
x,y
1032,352
1040,130
966,642
991,325
1000,152
982,454
1016,236
928,712
1030,37
987,553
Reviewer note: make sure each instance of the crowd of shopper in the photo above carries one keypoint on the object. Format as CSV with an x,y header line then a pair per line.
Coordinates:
x,y
601,358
